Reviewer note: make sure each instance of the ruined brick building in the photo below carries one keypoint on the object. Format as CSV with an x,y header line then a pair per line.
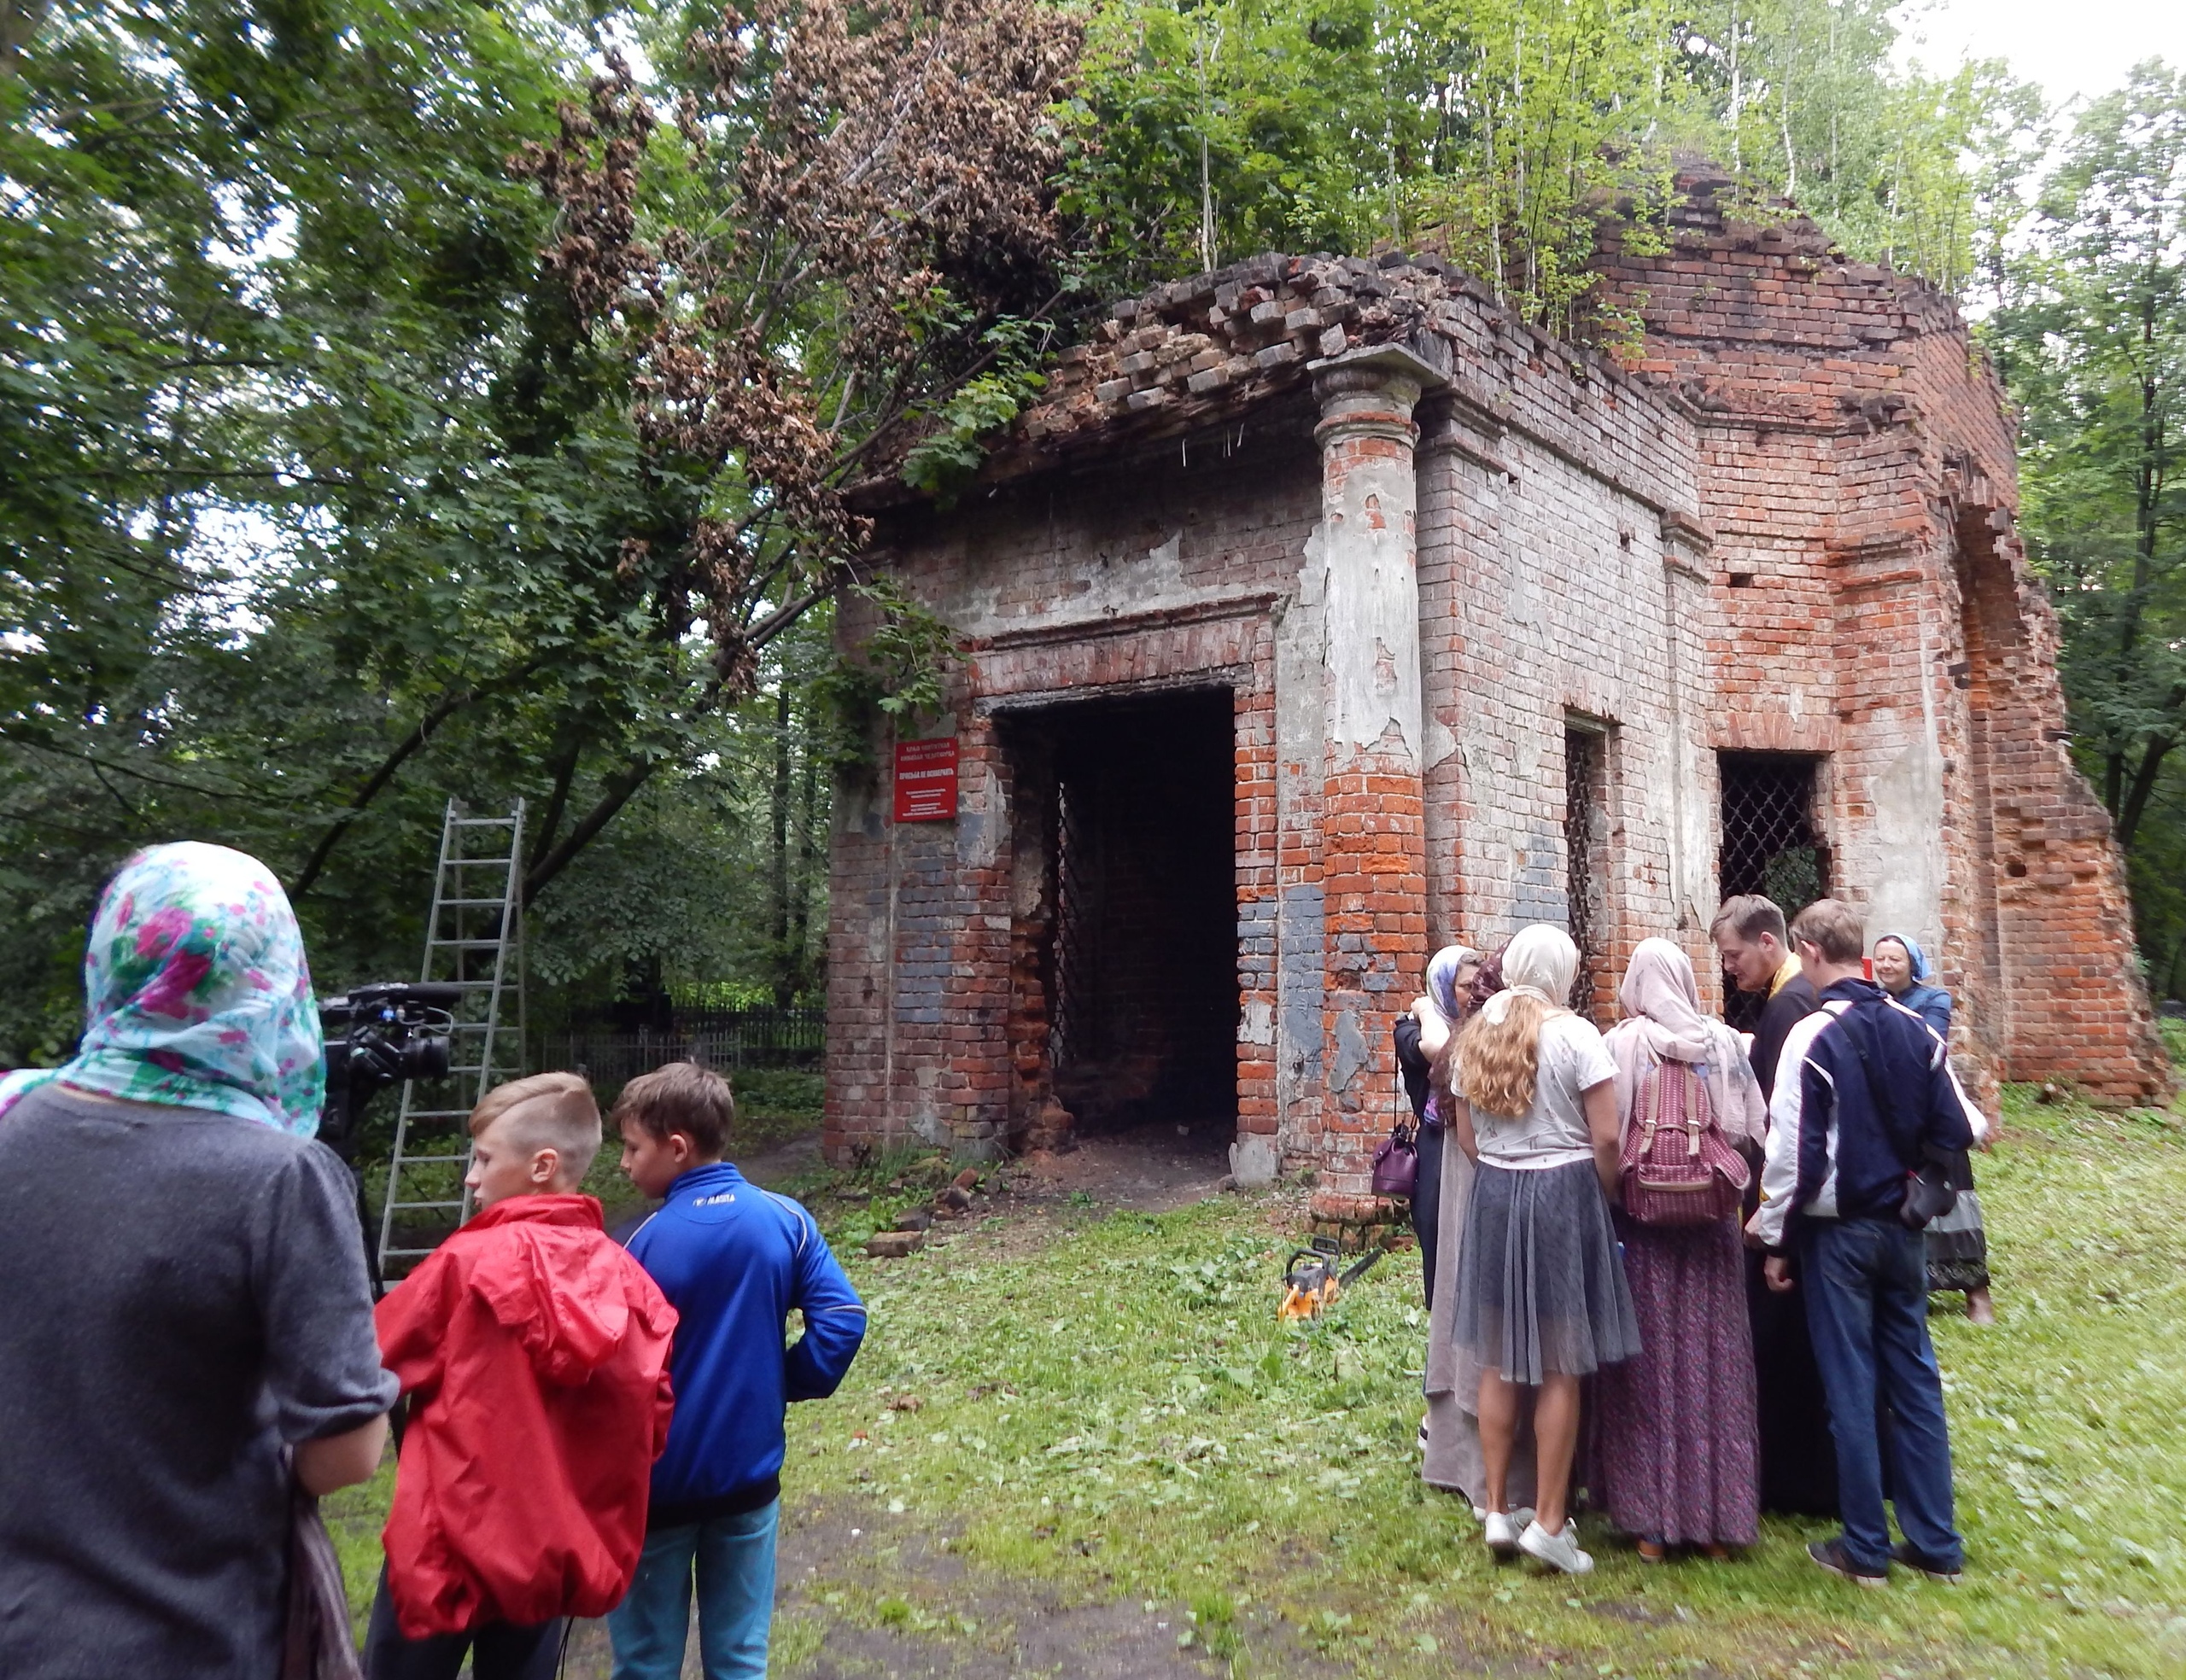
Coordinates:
x,y
1322,612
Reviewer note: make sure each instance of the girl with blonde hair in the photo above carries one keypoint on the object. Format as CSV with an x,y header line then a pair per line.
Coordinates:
x,y
1540,1300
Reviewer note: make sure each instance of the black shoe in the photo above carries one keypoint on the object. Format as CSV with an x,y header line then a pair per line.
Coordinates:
x,y
1832,1555
1902,1553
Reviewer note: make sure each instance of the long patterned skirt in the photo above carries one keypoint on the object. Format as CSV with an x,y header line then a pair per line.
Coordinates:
x,y
1677,1453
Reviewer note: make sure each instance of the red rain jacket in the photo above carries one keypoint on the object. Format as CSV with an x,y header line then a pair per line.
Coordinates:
x,y
534,1352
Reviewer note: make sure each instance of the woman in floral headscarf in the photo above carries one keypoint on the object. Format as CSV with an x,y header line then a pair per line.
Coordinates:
x,y
188,1326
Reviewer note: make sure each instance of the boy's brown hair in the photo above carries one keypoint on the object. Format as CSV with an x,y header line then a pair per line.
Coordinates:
x,y
548,1111
1833,927
680,1097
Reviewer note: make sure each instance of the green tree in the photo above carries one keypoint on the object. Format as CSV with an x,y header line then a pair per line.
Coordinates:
x,y
2091,337
325,498
1502,130
249,260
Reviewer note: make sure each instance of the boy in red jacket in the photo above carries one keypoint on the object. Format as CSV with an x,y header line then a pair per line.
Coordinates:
x,y
534,1352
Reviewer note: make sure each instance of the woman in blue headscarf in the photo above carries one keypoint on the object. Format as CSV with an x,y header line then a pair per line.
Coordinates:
x,y
1903,970
1957,1246
188,1332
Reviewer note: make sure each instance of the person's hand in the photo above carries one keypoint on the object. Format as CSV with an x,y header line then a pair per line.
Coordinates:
x,y
1753,1238
1776,1273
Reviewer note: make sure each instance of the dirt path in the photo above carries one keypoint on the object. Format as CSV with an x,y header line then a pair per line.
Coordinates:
x,y
1151,1170
864,1596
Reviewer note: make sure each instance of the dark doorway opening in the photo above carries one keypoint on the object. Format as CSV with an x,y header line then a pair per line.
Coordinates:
x,y
1136,909
1770,843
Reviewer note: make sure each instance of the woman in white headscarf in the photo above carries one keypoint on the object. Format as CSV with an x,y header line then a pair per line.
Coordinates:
x,y
1539,1301
1435,1014
1677,1451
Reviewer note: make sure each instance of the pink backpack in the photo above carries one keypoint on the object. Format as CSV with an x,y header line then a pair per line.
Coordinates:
x,y
1677,1167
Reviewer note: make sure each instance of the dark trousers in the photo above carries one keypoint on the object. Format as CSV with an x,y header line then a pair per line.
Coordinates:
x,y
498,1651
1427,1201
1866,1284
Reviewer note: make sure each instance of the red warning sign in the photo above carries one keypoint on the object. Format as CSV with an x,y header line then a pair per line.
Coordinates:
x,y
926,780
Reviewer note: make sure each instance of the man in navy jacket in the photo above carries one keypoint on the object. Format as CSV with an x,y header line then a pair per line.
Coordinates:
x,y
1864,1093
734,1261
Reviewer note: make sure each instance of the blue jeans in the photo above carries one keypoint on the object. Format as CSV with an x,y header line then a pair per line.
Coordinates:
x,y
732,1558
497,1650
1867,1289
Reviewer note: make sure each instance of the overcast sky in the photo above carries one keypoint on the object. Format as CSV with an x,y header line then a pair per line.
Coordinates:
x,y
2069,47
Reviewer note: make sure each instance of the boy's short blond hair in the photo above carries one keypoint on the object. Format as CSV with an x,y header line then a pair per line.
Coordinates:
x,y
548,1111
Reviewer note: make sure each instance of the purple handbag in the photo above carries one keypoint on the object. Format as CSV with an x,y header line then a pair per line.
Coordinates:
x,y
1396,1162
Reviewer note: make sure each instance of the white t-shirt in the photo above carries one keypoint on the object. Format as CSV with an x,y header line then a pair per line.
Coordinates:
x,y
1553,1132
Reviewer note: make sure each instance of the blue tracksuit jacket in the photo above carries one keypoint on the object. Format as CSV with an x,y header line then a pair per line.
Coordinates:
x,y
1837,1147
733,1260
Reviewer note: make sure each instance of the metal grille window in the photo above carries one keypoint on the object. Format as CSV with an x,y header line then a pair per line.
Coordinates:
x,y
1077,922
1770,843
1586,850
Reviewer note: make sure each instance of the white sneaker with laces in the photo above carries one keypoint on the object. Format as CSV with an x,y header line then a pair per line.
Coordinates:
x,y
1500,1530
1558,1551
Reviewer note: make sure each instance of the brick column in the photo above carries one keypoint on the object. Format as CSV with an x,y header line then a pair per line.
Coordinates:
x,y
1374,852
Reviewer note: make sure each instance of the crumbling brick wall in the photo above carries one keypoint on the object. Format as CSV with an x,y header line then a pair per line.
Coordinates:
x,y
1117,547
1878,609
1787,529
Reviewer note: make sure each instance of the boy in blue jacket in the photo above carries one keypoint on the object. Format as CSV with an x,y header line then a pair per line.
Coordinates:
x,y
733,1260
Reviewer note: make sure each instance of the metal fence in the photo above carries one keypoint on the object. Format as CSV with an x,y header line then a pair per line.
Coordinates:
x,y
719,1038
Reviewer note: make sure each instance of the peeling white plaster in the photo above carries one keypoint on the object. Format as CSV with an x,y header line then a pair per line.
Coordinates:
x,y
1116,585
1908,794
1372,608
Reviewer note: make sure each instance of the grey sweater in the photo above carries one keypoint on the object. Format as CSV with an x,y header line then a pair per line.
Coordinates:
x,y
182,1295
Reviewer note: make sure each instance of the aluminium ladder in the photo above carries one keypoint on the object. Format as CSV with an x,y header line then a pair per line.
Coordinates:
x,y
474,939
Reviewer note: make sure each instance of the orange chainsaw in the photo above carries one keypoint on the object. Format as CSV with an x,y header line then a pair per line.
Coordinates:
x,y
1311,1284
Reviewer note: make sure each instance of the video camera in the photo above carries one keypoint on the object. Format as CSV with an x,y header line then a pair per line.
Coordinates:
x,y
376,1034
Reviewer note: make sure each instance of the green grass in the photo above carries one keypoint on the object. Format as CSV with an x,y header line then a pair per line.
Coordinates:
x,y
774,1105
1112,1411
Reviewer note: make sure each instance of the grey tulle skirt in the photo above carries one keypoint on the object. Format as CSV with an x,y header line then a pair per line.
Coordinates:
x,y
1540,1288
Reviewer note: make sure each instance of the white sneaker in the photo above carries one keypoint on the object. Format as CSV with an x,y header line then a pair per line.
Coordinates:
x,y
1500,1530
1558,1551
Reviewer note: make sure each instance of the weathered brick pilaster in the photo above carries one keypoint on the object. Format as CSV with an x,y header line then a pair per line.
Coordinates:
x,y
1374,858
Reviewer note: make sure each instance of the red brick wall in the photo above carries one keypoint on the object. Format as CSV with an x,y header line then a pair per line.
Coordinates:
x,y
949,1051
1857,468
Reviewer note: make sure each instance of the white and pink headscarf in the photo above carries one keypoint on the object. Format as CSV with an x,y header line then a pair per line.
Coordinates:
x,y
1663,1023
